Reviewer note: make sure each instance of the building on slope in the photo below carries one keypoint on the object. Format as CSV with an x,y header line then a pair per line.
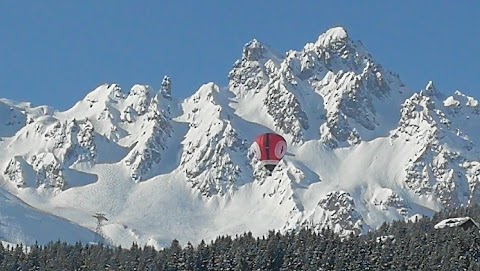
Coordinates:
x,y
465,223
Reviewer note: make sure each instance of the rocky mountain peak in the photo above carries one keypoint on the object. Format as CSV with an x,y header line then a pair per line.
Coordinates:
x,y
253,51
430,89
362,149
332,37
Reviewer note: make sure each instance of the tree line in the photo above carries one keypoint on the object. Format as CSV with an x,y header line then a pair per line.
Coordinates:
x,y
394,246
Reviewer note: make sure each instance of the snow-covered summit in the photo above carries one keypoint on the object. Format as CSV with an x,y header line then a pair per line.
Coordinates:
x,y
362,149
332,35
254,50
337,78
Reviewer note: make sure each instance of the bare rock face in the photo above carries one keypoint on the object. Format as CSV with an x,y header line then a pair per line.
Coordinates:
x,y
443,166
157,129
212,161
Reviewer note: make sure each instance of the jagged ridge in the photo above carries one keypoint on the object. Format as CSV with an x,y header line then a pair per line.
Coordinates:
x,y
363,149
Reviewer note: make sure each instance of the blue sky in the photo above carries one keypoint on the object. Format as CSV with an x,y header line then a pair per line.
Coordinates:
x,y
55,52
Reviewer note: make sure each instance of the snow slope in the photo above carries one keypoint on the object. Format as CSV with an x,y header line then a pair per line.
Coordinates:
x,y
363,149
21,223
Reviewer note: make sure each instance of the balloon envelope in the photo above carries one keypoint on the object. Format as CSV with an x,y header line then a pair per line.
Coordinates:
x,y
269,149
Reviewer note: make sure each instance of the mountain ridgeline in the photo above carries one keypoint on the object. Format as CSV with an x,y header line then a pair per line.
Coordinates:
x,y
364,150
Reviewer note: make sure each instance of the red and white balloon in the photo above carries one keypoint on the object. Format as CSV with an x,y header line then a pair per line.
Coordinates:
x,y
269,149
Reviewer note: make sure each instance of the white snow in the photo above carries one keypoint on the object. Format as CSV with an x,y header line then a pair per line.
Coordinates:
x,y
22,223
454,222
332,35
363,149
450,101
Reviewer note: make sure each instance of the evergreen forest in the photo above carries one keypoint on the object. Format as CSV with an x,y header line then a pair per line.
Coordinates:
x,y
394,246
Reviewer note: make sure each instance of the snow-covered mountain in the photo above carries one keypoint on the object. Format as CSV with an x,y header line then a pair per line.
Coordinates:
x,y
363,149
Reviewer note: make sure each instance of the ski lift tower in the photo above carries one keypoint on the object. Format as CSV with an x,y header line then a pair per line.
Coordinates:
x,y
100,218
